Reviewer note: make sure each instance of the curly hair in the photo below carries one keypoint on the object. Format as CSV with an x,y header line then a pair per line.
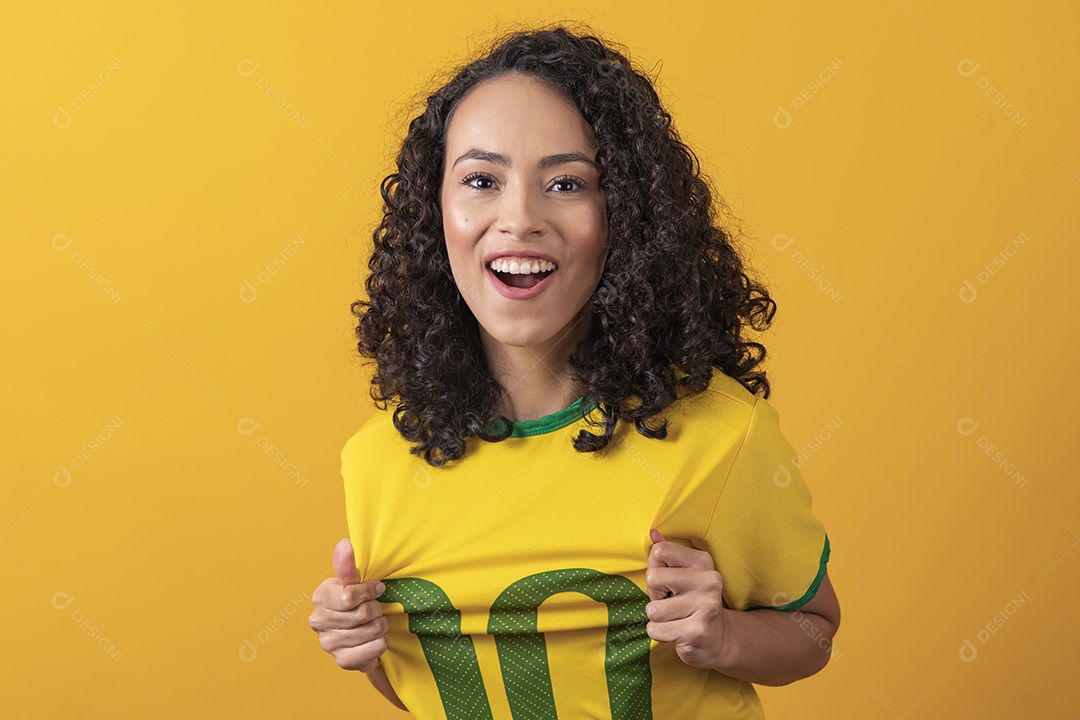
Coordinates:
x,y
672,302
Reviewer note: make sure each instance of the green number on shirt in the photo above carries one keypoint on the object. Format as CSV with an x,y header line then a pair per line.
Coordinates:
x,y
522,650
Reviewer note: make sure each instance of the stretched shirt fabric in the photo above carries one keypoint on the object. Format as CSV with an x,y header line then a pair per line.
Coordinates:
x,y
515,577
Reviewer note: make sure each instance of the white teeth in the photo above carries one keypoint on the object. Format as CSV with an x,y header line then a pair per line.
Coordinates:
x,y
520,266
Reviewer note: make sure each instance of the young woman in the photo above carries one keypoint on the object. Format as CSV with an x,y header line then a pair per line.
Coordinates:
x,y
579,504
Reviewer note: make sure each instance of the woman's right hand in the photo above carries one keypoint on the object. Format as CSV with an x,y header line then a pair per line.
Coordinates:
x,y
347,616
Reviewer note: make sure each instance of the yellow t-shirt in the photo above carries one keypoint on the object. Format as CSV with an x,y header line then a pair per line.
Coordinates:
x,y
516,576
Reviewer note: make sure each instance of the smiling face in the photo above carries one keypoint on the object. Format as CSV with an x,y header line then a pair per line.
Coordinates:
x,y
520,189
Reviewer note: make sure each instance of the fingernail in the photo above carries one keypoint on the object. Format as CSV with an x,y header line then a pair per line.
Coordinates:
x,y
379,589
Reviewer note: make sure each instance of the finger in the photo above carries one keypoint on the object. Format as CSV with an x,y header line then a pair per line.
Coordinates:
x,y
363,658
684,581
657,537
353,648
345,563
672,554
666,610
339,638
325,618
660,582
343,598
670,631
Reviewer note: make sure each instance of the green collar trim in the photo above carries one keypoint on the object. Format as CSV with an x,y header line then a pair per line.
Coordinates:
x,y
548,423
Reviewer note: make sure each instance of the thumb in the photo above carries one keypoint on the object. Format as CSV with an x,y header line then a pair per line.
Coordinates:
x,y
345,563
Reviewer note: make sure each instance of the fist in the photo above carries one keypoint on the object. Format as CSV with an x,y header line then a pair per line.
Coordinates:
x,y
348,617
686,602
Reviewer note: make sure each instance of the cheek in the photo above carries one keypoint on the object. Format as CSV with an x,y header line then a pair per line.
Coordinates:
x,y
454,229
457,222
598,238
459,244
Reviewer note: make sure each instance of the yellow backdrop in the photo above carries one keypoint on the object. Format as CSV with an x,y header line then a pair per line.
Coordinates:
x,y
189,189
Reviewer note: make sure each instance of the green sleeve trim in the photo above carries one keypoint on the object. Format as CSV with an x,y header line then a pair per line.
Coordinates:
x,y
810,592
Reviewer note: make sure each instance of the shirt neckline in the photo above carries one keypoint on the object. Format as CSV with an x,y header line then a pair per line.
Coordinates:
x,y
550,422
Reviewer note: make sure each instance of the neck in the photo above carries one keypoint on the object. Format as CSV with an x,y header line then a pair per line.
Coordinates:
x,y
535,379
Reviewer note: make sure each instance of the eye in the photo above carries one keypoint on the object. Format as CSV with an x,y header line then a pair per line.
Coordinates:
x,y
468,180
570,180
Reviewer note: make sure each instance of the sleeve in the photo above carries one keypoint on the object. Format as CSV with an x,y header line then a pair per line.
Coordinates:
x,y
352,474
768,546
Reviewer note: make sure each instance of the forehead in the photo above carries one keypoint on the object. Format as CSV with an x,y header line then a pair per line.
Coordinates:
x,y
518,115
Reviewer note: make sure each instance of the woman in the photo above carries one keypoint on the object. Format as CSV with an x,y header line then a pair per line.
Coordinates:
x,y
558,319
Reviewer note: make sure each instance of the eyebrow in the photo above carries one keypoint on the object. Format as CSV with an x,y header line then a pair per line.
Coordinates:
x,y
545,162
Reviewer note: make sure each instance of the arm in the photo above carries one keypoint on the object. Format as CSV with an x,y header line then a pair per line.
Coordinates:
x,y
774,647
764,646
378,678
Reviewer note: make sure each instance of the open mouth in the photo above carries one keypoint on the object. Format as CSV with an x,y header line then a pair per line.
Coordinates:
x,y
521,280
520,277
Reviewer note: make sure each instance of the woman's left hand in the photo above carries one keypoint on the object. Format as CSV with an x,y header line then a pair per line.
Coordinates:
x,y
686,606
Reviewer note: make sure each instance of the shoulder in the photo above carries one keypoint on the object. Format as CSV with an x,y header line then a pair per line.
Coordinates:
x,y
726,388
724,397
376,432
715,420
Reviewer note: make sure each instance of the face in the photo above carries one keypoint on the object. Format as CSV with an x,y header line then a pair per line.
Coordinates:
x,y
520,189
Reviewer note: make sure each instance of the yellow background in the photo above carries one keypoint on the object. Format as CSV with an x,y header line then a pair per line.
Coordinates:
x,y
186,246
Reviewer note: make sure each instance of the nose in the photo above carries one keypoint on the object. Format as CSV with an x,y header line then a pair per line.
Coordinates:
x,y
521,212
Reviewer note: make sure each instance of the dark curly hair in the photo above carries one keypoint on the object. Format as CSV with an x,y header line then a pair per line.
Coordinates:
x,y
672,301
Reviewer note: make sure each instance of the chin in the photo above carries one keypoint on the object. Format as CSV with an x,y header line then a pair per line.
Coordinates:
x,y
523,340
522,334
